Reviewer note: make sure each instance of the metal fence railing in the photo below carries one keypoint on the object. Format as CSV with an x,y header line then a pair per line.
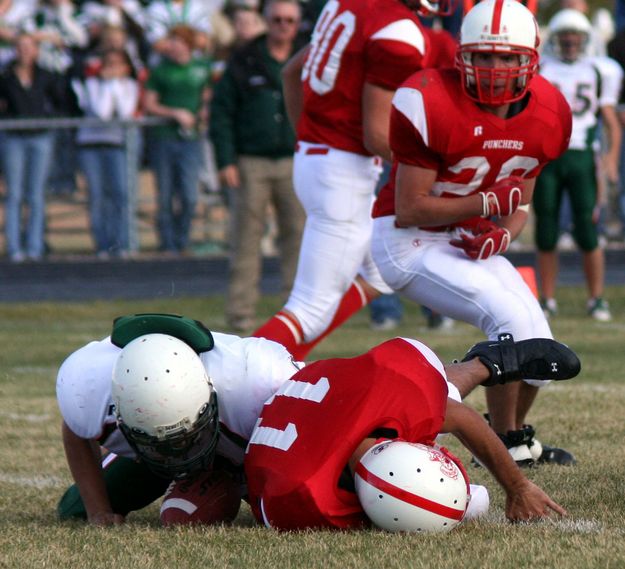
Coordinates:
x,y
131,128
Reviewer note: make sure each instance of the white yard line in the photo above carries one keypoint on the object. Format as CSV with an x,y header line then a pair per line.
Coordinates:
x,y
29,417
38,482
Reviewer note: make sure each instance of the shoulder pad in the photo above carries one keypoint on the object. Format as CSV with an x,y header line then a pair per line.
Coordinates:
x,y
192,332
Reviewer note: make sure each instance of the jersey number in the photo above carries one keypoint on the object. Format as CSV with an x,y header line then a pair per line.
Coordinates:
x,y
582,99
283,439
327,47
481,166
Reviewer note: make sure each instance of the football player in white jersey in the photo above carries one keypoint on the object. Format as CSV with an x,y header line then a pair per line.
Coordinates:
x,y
244,372
184,400
591,86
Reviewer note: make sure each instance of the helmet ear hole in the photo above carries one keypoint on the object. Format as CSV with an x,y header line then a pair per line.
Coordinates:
x,y
433,501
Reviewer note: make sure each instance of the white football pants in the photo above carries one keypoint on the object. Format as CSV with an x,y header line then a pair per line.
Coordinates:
x,y
336,190
489,294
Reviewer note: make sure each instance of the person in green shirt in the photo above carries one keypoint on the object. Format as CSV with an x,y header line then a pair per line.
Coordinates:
x,y
178,88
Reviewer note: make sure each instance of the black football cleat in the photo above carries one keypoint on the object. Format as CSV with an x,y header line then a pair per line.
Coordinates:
x,y
545,454
537,358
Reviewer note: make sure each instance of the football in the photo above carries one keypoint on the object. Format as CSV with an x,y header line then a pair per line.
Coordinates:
x,y
211,498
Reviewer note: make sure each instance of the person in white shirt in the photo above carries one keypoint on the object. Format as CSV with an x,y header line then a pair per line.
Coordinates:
x,y
111,94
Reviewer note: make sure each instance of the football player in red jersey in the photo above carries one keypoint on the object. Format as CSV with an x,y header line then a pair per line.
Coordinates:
x,y
339,93
468,144
311,434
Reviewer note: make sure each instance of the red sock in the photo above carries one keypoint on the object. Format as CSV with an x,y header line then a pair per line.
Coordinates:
x,y
282,328
353,300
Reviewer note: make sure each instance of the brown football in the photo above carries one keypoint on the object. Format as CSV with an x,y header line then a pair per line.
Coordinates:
x,y
211,498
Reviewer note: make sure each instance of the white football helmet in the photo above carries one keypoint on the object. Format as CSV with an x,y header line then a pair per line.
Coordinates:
x,y
166,405
503,28
569,34
412,487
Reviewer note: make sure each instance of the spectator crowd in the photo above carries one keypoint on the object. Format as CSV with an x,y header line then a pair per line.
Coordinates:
x,y
211,71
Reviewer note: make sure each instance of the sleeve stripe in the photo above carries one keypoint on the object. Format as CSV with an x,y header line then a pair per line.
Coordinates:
x,y
409,102
405,31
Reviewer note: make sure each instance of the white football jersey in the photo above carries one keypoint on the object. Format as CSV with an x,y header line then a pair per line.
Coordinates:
x,y
245,373
588,85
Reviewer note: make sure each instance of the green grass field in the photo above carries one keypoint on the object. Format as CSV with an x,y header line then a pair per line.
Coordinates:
x,y
584,415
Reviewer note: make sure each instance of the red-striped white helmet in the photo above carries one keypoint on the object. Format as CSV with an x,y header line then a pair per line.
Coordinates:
x,y
504,28
412,487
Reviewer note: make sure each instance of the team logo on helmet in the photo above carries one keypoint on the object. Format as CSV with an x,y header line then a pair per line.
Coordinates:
x,y
448,468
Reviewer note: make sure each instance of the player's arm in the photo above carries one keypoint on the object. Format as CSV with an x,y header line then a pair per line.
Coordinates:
x,y
376,112
524,500
614,135
516,222
292,85
83,458
415,206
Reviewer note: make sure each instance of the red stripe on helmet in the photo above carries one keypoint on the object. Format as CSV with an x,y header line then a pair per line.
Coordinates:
x,y
408,497
496,23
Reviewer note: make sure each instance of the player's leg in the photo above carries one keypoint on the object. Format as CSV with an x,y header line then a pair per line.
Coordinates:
x,y
497,362
583,191
489,294
129,485
546,201
249,213
367,286
335,189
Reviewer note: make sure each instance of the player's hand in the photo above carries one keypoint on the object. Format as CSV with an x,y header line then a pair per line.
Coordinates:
x,y
106,519
488,239
530,503
502,198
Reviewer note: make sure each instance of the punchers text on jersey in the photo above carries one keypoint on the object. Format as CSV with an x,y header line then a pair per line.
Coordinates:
x,y
434,126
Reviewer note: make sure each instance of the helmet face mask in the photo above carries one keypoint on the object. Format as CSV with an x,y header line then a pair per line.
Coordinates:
x,y
496,84
569,34
570,45
166,405
182,454
497,55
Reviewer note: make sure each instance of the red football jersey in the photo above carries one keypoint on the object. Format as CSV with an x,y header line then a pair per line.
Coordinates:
x,y
308,431
434,125
355,41
442,52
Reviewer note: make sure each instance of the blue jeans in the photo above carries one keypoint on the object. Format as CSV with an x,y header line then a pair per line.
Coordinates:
x,y
62,177
26,160
104,168
176,164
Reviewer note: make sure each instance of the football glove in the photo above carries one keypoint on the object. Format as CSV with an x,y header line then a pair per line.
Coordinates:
x,y
502,198
488,239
